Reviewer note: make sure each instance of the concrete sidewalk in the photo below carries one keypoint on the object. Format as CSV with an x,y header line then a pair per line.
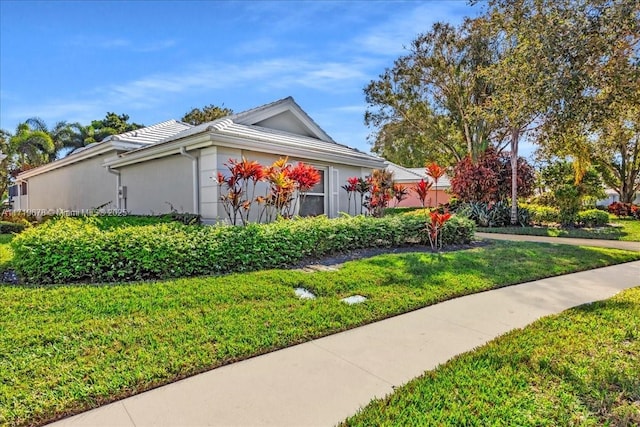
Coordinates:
x,y
321,382
616,244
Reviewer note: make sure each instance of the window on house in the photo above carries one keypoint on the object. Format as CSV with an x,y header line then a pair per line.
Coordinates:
x,y
314,202
23,188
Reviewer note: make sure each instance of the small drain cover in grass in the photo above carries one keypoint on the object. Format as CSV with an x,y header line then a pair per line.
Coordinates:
x,y
302,293
354,299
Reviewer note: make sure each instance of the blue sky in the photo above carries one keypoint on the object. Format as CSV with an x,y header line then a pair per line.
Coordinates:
x,y
155,60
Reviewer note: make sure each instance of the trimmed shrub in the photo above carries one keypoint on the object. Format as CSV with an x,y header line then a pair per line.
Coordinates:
x,y
75,249
592,218
458,230
7,227
398,211
541,214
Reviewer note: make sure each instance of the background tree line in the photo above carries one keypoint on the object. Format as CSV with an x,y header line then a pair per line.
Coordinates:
x,y
562,74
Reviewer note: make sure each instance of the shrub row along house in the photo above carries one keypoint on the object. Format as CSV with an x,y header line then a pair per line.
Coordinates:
x,y
173,165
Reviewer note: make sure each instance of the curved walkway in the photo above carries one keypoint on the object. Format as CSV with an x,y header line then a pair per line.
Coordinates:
x,y
616,244
322,382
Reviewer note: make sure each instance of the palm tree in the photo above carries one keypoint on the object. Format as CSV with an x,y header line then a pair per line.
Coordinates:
x,y
31,145
66,137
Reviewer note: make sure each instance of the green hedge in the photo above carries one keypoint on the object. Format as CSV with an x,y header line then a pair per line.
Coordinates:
x,y
593,218
541,214
72,250
7,227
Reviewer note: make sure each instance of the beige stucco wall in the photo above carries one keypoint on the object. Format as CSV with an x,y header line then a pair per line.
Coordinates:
x,y
154,186
83,185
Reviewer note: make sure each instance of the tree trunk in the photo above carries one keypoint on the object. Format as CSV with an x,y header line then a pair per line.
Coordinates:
x,y
515,136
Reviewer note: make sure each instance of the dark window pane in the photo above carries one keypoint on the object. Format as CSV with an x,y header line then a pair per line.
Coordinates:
x,y
312,206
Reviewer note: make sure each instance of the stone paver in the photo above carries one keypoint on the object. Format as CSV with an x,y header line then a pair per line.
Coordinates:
x,y
321,382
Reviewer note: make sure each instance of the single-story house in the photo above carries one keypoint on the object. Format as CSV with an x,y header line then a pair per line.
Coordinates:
x,y
613,196
409,177
174,165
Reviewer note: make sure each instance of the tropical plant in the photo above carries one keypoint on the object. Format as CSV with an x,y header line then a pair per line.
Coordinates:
x,y
489,179
436,172
32,146
436,223
363,186
622,210
380,192
287,188
400,192
306,177
422,190
240,188
351,187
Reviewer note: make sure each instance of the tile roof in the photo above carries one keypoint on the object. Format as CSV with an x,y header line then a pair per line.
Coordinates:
x,y
400,173
290,140
151,134
443,182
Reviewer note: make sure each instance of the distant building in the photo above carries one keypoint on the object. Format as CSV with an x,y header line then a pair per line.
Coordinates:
x,y
409,177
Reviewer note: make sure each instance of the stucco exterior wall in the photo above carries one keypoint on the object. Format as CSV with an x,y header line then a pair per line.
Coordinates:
x,y
413,200
154,186
83,185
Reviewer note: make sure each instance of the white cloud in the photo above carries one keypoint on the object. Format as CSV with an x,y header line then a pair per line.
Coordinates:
x,y
152,91
277,73
120,43
390,38
350,109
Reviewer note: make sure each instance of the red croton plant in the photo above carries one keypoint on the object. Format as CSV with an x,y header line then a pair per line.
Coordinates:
x,y
434,228
436,220
422,190
287,187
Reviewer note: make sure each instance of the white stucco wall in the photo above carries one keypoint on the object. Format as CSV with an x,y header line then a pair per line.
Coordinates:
x,y
80,186
154,186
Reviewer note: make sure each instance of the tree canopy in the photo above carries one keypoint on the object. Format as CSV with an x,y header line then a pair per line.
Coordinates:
x,y
208,113
433,97
564,74
112,124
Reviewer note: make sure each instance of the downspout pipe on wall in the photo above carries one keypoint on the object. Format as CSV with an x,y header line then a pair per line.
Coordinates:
x,y
196,179
118,185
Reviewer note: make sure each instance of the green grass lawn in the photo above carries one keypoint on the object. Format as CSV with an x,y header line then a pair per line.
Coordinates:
x,y
621,229
578,368
64,349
